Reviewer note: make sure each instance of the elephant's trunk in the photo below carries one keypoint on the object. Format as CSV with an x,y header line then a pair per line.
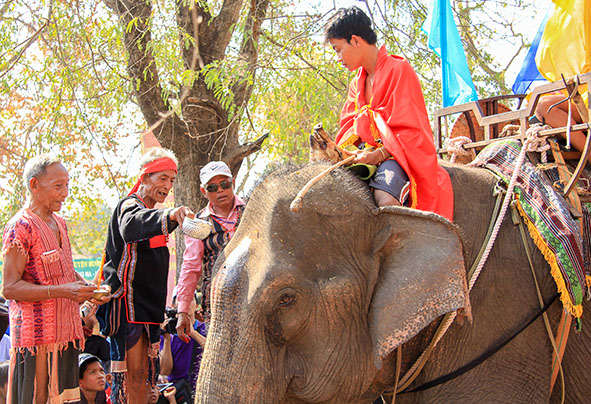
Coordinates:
x,y
232,370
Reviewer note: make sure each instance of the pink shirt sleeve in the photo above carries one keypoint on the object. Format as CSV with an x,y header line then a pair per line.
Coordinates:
x,y
190,273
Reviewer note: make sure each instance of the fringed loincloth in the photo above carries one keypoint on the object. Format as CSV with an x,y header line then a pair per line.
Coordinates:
x,y
62,369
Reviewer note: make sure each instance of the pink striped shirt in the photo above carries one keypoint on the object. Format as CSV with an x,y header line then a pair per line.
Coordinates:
x,y
193,256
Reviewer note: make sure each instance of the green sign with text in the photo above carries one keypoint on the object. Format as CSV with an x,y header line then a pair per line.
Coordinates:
x,y
87,267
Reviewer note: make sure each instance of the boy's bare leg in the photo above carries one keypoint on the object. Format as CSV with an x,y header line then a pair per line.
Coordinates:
x,y
137,371
41,379
558,117
384,199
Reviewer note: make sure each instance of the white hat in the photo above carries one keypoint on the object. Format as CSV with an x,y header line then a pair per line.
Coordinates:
x,y
212,169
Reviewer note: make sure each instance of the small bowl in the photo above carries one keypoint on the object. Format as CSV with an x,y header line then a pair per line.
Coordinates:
x,y
98,293
196,228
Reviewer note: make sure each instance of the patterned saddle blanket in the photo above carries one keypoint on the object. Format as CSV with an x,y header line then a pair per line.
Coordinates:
x,y
555,232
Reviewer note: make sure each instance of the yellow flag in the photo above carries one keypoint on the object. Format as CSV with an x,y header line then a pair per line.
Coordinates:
x,y
565,47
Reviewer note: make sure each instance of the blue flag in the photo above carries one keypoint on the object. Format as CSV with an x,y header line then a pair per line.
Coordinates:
x,y
529,70
445,40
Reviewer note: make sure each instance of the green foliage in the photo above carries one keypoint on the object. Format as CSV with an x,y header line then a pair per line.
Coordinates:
x,y
63,94
300,83
221,77
65,86
165,48
87,227
293,97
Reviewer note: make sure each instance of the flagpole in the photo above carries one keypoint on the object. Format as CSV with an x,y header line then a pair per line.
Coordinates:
x,y
443,44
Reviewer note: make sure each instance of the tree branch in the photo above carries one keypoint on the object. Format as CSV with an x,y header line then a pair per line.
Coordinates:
x,y
309,64
248,50
5,8
239,153
223,28
189,18
13,60
135,18
216,32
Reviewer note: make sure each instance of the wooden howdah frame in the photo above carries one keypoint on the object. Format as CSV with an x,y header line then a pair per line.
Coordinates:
x,y
490,120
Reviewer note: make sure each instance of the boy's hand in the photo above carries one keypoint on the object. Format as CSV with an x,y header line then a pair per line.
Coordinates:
x,y
372,157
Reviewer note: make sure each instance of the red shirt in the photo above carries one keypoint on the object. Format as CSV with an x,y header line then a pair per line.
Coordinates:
x,y
397,115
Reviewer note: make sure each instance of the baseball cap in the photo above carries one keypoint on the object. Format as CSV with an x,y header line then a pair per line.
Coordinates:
x,y
212,169
86,358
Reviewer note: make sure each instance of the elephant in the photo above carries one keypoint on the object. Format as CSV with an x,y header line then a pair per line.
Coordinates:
x,y
309,306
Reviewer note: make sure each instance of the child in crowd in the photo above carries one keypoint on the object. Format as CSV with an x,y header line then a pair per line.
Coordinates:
x,y
92,380
166,396
95,343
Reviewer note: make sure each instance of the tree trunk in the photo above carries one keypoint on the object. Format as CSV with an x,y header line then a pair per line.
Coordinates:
x,y
203,130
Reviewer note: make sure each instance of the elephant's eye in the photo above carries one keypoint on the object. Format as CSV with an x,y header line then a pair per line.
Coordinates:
x,y
286,300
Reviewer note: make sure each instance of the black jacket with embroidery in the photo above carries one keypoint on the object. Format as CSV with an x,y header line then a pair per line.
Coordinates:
x,y
133,268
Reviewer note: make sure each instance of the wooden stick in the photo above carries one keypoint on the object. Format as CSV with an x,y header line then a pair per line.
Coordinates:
x,y
580,166
297,202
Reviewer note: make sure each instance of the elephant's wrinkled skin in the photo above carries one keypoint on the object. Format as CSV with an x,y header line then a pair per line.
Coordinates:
x,y
305,303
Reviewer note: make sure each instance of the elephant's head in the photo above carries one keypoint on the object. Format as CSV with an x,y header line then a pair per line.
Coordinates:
x,y
306,305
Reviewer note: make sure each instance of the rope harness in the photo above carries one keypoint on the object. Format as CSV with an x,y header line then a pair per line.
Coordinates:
x,y
455,146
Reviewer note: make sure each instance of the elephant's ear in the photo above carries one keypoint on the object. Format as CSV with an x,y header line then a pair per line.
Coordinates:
x,y
422,276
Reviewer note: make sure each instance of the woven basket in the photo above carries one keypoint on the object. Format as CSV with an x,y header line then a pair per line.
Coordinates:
x,y
196,228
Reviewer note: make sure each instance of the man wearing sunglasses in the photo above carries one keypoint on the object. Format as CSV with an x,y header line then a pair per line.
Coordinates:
x,y
223,211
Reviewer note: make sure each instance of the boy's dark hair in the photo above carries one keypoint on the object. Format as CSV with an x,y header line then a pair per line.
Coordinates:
x,y
348,22
85,359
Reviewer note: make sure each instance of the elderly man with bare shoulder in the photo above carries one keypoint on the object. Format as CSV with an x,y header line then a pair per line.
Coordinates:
x,y
44,292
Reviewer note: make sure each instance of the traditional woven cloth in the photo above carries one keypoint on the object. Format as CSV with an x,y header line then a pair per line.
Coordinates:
x,y
49,324
548,220
49,329
586,207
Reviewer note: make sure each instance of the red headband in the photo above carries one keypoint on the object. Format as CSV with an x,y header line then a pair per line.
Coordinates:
x,y
161,164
